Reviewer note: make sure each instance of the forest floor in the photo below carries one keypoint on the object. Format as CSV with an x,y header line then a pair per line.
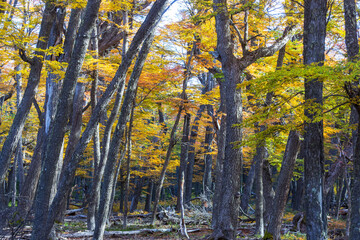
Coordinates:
x,y
167,227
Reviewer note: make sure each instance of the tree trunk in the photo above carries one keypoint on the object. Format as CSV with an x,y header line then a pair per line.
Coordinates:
x,y
259,213
269,192
76,123
208,161
221,133
172,143
314,46
284,180
191,154
119,132
183,158
50,156
127,181
137,194
232,69
172,140
148,25
149,195
246,195
352,47
30,91
297,198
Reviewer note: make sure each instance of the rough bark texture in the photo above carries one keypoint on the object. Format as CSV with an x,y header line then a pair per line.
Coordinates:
x,y
352,47
284,180
220,140
314,47
33,81
232,68
66,181
50,156
355,193
229,198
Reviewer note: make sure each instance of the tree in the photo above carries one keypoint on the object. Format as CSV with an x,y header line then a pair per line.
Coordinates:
x,y
232,68
314,47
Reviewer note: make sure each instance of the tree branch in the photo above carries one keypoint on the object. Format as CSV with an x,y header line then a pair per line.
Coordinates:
x,y
253,56
24,57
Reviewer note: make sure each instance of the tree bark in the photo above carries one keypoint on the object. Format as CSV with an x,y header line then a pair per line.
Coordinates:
x,y
148,25
352,47
233,68
314,46
30,91
51,153
183,158
284,180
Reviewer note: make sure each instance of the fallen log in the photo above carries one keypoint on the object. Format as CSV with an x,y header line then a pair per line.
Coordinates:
x,y
115,233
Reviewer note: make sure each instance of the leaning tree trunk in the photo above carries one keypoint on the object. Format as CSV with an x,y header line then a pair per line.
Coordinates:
x,y
172,140
118,135
66,181
51,153
31,181
36,64
314,47
284,180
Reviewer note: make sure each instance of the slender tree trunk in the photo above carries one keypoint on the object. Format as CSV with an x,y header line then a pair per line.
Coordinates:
x,y
172,140
137,194
183,158
19,150
127,181
93,198
246,195
314,47
29,188
260,225
76,123
172,143
221,134
191,154
284,180
297,198
209,136
269,193
149,195
118,135
183,230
